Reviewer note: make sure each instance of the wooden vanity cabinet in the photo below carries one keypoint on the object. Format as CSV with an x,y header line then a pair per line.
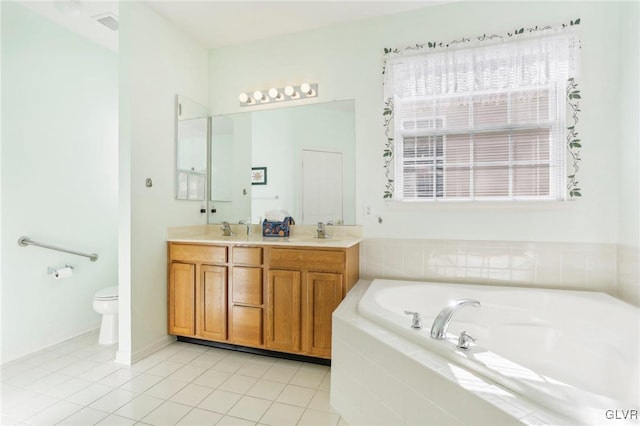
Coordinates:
x,y
305,286
197,299
277,298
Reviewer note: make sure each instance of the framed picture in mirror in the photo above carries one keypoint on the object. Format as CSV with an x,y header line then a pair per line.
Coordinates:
x,y
258,176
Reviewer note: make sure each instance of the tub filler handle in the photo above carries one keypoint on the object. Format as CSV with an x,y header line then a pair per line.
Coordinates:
x,y
465,340
416,321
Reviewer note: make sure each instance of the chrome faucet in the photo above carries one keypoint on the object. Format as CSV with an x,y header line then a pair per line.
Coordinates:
x,y
226,230
246,222
441,323
322,233
464,341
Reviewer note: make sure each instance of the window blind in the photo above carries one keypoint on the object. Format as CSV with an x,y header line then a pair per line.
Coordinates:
x,y
481,123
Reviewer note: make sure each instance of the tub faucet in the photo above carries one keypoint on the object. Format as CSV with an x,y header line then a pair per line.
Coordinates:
x,y
441,323
226,230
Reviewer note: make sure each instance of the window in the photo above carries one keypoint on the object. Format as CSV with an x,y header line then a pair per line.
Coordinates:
x,y
481,123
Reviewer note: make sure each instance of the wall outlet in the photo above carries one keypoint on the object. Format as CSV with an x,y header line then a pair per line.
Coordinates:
x,y
368,211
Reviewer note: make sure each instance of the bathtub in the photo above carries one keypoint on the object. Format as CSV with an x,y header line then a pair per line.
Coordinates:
x,y
572,355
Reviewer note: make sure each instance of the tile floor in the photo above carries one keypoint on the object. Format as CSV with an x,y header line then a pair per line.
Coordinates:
x,y
77,383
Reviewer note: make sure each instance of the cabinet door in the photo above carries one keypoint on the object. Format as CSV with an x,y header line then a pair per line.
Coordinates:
x,y
182,299
324,296
212,303
246,325
284,316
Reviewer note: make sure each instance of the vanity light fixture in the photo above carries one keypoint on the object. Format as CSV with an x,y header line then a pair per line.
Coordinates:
x,y
287,93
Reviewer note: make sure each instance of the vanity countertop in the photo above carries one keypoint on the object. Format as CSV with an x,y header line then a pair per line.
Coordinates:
x,y
300,236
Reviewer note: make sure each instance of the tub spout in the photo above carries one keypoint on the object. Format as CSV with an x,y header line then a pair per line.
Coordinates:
x,y
441,323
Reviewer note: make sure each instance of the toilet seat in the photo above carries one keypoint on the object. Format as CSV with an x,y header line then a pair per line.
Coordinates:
x,y
106,294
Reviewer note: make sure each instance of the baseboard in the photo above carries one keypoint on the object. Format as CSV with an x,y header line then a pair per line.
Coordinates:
x,y
129,358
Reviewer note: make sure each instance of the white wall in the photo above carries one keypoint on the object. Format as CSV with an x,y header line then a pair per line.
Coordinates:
x,y
157,61
629,155
59,178
346,62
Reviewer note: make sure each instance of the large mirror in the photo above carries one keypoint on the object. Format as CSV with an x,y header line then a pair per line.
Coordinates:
x,y
300,159
192,135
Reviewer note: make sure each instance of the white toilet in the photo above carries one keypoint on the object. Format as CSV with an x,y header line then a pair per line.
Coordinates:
x,y
105,302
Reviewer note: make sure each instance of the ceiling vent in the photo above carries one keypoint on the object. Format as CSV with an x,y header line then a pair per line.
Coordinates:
x,y
110,21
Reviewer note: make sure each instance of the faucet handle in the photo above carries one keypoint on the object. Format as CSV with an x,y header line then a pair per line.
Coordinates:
x,y
416,321
465,340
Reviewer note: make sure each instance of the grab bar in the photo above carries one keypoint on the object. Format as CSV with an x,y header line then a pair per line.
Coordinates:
x,y
26,241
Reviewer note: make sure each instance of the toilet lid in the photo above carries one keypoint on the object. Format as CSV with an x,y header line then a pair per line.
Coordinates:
x,y
109,293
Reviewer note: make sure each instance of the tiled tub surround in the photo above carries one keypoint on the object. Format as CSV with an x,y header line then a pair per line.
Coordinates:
x,y
571,266
629,274
381,377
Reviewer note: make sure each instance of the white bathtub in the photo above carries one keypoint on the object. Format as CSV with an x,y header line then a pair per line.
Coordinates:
x,y
575,353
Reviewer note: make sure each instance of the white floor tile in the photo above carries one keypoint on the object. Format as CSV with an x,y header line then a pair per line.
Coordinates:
x,y
184,356
139,407
199,417
266,389
191,394
99,372
68,388
13,368
164,368
11,395
318,418
166,388
253,369
220,401
145,364
29,406
168,413
187,373
79,367
282,415
238,384
212,378
280,373
114,420
54,414
48,382
28,377
320,402
90,394
113,400
61,362
141,383
207,359
308,378
296,395
249,408
119,378
234,421
40,358
86,416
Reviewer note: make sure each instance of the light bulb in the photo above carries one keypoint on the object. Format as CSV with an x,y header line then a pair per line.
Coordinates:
x,y
275,94
258,96
307,90
244,98
289,91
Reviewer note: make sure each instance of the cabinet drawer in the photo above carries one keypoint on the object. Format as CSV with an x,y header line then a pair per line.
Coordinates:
x,y
195,253
247,255
311,260
246,326
247,285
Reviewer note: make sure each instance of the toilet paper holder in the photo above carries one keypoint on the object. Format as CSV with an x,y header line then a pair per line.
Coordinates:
x,y
51,270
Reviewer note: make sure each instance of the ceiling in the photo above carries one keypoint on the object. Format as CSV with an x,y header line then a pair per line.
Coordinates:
x,y
214,23
225,23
